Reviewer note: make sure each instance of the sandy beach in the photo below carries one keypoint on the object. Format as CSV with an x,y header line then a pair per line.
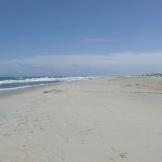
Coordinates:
x,y
101,120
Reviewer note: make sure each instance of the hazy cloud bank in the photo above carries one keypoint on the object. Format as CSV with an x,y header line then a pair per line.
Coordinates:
x,y
110,64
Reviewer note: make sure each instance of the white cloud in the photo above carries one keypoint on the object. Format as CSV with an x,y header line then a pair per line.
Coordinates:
x,y
116,63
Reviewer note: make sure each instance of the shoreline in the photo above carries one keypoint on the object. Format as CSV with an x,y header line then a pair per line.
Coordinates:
x,y
17,83
17,90
5,93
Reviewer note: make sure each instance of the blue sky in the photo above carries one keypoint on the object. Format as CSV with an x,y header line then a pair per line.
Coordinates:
x,y
34,28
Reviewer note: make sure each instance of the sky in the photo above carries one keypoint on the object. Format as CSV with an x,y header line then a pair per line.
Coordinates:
x,y
80,37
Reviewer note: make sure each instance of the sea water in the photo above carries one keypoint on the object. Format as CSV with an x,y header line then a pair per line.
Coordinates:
x,y
13,83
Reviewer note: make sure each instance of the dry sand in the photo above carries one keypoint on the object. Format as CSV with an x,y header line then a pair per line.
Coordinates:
x,y
101,120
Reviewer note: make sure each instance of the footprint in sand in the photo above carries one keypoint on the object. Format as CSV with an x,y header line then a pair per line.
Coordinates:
x,y
123,155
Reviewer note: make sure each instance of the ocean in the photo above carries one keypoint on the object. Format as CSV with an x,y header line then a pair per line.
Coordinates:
x,y
14,83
